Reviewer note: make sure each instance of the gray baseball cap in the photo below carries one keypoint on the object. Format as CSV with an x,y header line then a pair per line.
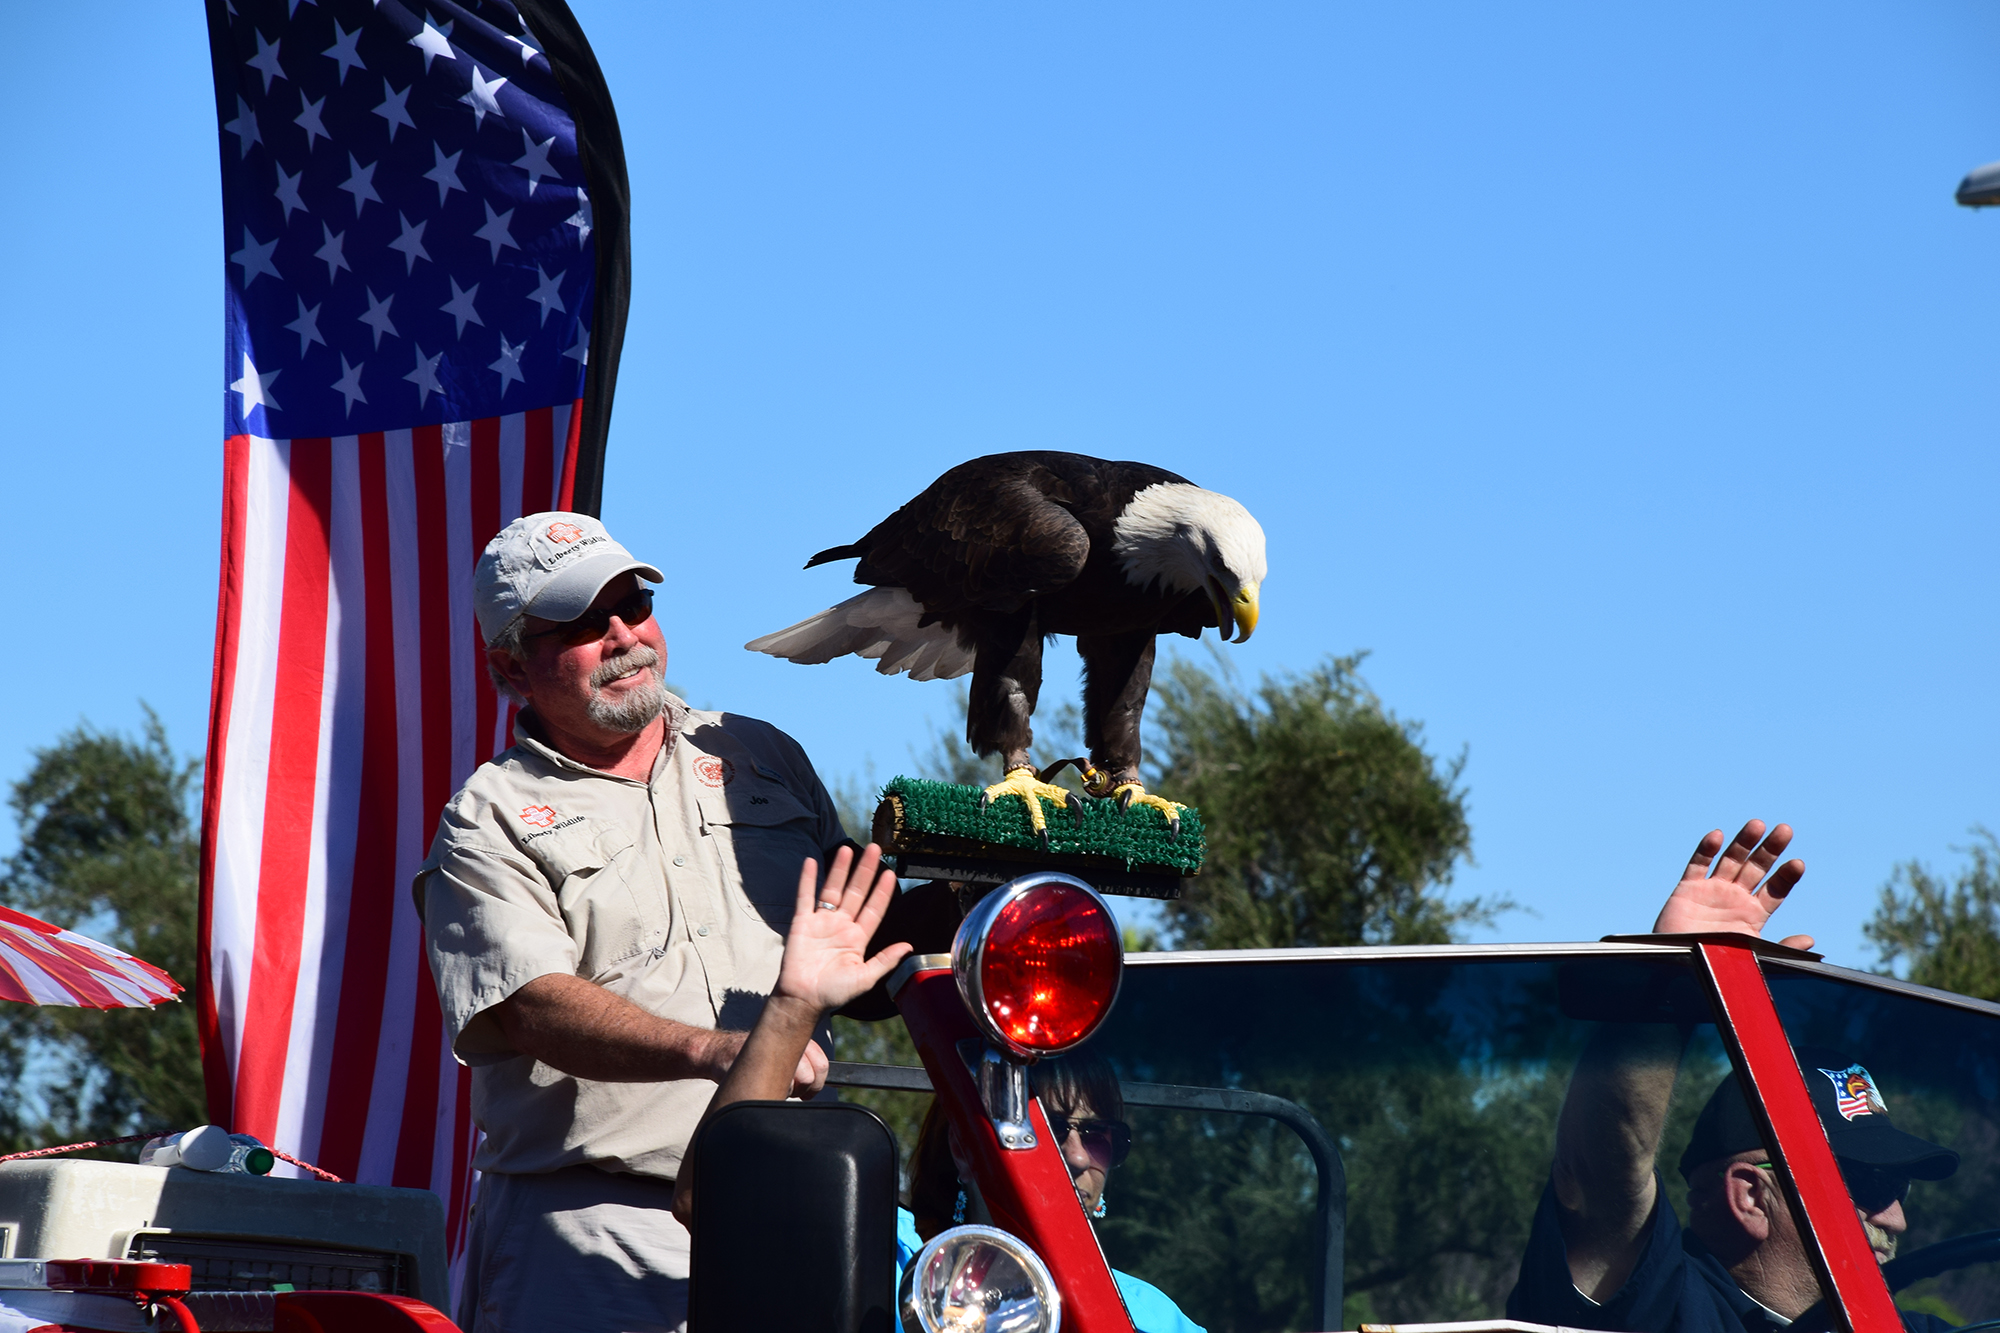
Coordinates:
x,y
550,565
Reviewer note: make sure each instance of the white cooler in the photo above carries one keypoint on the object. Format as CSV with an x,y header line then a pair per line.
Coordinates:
x,y
238,1233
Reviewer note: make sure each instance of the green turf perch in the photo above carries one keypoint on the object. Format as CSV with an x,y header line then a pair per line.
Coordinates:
x,y
942,818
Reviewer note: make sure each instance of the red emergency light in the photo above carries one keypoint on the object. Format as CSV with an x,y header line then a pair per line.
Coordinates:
x,y
1038,962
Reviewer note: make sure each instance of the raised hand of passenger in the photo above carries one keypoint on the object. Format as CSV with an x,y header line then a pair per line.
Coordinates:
x,y
1732,887
825,962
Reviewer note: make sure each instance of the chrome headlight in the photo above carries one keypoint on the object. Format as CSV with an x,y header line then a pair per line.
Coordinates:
x,y
974,1279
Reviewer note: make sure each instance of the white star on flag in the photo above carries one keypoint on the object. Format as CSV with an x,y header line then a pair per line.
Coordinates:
x,y
266,61
459,307
348,386
255,388
425,376
377,317
509,364
534,160
360,183
411,243
445,173
255,257
495,232
330,251
393,110
483,98
527,52
288,194
307,326
310,121
581,218
344,50
549,293
579,350
433,44
244,127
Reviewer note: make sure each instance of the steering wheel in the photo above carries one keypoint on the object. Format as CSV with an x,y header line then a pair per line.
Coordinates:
x,y
1975,1247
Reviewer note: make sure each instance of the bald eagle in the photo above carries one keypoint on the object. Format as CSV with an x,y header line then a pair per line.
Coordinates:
x,y
1001,552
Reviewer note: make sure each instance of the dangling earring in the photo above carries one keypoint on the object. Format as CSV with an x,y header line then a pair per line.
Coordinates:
x,y
1099,1210
958,1209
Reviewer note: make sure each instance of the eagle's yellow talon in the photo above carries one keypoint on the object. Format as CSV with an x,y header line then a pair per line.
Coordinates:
x,y
1032,791
1133,793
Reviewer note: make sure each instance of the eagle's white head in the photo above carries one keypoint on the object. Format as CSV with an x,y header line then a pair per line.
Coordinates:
x,y
1187,539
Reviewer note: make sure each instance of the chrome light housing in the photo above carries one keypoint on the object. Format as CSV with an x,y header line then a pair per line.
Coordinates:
x,y
1039,962
974,1279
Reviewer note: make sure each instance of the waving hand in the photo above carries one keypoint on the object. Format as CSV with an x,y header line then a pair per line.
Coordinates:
x,y
1733,888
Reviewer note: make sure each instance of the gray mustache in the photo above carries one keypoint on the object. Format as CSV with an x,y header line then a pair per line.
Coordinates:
x,y
639,655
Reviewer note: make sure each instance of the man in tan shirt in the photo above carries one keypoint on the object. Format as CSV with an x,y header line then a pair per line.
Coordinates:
x,y
604,908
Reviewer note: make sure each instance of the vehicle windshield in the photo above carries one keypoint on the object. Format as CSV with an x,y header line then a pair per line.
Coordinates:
x,y
1916,1083
1422,1092
1439,1080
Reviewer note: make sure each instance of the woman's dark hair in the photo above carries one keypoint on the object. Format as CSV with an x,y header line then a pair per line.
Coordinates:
x,y
1068,1081
1064,1084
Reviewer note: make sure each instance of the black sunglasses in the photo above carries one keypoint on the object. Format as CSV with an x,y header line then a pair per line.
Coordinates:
x,y
1874,1188
1107,1141
591,626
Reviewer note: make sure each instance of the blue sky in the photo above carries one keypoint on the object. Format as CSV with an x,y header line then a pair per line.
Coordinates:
x,y
1618,378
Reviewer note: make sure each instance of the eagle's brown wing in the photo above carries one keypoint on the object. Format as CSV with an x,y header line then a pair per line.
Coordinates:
x,y
989,535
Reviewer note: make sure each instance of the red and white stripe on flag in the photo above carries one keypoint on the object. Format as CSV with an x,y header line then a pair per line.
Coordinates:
x,y
350,702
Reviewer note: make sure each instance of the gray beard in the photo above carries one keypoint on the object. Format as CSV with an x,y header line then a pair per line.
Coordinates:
x,y
641,704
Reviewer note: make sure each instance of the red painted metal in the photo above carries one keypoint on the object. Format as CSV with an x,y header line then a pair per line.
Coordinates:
x,y
180,1313
1028,1191
116,1277
1834,1238
356,1312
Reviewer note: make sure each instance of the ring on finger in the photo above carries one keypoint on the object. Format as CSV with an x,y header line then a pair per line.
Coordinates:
x,y
826,906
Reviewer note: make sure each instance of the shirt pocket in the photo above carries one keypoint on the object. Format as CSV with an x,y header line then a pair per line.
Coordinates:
x,y
762,838
609,912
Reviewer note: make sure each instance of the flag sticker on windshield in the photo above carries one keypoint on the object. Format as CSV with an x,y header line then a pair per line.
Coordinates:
x,y
1855,1093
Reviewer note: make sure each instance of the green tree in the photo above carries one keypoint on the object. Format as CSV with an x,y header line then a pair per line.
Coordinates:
x,y
1949,934
1328,822
108,846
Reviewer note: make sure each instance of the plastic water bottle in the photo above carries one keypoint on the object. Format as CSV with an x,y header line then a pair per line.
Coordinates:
x,y
210,1148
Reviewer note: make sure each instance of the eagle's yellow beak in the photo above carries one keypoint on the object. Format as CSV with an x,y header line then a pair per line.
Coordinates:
x,y
1245,608
1238,613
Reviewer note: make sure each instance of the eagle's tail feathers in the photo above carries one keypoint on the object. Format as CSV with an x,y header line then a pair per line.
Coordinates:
x,y
881,624
833,553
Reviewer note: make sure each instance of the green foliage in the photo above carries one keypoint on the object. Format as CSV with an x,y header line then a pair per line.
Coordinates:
x,y
108,846
1328,823
1948,934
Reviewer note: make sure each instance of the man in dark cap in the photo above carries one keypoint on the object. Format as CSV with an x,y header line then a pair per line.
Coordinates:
x,y
1606,1250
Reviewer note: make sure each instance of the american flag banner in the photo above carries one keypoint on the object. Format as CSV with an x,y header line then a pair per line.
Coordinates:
x,y
425,283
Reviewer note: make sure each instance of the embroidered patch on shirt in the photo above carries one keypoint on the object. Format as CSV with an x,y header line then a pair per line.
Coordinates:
x,y
541,816
714,771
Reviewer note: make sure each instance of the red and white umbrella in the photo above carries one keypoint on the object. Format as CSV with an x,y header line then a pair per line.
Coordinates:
x,y
45,964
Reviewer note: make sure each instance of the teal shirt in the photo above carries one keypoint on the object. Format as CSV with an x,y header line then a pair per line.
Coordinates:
x,y
1150,1308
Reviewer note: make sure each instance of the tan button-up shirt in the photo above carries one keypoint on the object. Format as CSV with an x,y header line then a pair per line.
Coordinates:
x,y
674,893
